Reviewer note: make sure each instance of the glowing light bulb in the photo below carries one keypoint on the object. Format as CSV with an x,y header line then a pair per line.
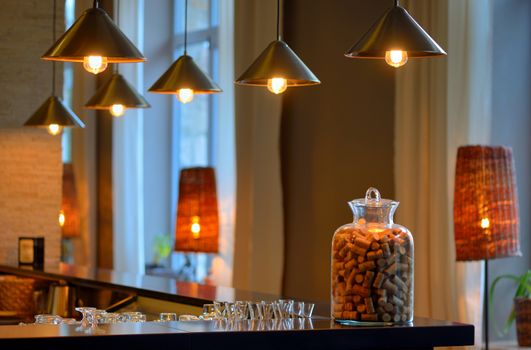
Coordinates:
x,y
117,110
196,227
277,85
185,95
62,218
485,223
94,64
54,129
396,58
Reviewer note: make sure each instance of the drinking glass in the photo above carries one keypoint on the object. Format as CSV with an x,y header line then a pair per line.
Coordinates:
x,y
94,317
167,316
209,312
241,309
298,309
132,316
255,311
219,308
109,318
188,318
268,310
285,307
84,313
230,310
308,310
68,321
47,319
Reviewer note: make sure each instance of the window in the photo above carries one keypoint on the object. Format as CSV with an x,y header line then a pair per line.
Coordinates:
x,y
193,136
196,120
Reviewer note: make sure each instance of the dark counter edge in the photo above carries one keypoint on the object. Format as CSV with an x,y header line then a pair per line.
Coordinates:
x,y
360,338
93,283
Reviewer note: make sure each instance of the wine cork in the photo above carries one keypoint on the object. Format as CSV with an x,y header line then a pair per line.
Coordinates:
x,y
359,278
348,307
350,315
367,265
337,314
367,279
386,317
390,286
396,301
389,307
350,264
338,307
382,301
369,317
375,245
378,280
369,306
359,250
361,308
356,299
359,290
362,242
386,250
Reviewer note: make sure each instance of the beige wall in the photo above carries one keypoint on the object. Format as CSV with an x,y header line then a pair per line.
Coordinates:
x,y
337,138
30,159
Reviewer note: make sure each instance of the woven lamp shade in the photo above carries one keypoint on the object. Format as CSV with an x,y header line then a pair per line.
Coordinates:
x,y
69,205
485,204
197,228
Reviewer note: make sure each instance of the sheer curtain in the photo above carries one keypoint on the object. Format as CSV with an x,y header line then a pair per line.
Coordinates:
x,y
442,103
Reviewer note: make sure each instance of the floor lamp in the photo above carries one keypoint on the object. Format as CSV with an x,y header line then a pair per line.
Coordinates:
x,y
486,222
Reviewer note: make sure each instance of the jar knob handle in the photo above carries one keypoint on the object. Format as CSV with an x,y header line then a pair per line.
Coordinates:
x,y
370,192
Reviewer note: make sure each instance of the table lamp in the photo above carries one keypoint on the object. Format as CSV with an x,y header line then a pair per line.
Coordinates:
x,y
197,228
485,208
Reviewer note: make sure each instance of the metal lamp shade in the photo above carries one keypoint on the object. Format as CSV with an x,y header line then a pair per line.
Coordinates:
x,y
184,73
69,205
117,91
53,111
197,201
485,204
395,30
278,60
94,34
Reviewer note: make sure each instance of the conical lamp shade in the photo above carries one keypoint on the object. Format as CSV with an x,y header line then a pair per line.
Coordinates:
x,y
278,61
117,91
94,34
395,30
53,111
184,73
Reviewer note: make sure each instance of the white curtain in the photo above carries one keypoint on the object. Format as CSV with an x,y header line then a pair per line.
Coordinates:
x,y
442,103
259,239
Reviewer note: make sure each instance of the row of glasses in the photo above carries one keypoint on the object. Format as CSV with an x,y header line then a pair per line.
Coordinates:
x,y
263,310
264,325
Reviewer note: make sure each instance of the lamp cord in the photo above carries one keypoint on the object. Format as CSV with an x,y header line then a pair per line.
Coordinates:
x,y
115,65
54,14
185,25
278,19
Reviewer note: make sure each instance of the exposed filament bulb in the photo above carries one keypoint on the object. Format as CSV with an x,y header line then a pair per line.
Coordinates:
x,y
54,129
94,64
396,58
117,110
185,95
277,85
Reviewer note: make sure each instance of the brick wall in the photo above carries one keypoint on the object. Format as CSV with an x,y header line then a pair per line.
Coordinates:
x,y
30,159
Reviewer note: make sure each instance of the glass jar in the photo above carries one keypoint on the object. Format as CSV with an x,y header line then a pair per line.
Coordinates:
x,y
372,265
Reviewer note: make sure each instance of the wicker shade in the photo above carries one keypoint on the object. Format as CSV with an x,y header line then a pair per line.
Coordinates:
x,y
197,228
485,204
69,206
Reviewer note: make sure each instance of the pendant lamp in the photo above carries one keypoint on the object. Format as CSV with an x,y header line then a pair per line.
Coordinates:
x,y
278,67
53,114
95,40
116,95
184,78
395,37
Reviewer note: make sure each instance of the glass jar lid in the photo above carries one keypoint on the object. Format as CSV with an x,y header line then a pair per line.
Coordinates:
x,y
373,199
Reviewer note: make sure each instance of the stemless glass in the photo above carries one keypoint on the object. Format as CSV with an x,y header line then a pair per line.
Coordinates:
x,y
298,309
285,307
47,319
308,310
219,309
230,310
167,316
109,318
209,312
268,310
84,313
255,311
241,310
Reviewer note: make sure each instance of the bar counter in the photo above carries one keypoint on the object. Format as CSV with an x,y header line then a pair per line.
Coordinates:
x,y
316,333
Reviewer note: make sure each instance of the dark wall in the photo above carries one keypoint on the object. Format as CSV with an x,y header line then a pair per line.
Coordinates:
x,y
337,137
511,126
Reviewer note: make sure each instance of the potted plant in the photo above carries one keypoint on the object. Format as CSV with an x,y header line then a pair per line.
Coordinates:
x,y
161,250
521,311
